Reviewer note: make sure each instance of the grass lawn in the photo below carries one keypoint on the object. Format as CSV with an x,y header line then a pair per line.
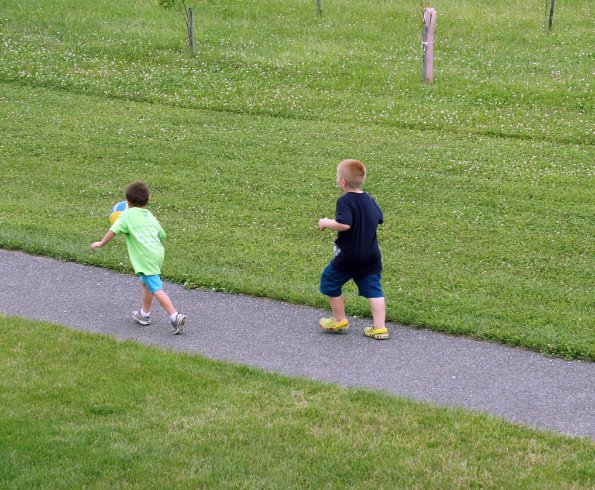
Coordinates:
x,y
485,177
79,410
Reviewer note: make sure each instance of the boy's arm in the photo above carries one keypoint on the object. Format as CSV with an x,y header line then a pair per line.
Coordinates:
x,y
331,224
107,237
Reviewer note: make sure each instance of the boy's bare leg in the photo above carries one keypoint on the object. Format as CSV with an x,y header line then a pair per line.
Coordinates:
x,y
338,308
164,301
378,306
147,300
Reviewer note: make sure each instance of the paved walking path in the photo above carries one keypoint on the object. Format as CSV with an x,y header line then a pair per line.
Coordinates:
x,y
515,384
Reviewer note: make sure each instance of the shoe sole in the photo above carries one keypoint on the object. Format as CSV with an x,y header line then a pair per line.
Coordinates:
x,y
335,329
377,336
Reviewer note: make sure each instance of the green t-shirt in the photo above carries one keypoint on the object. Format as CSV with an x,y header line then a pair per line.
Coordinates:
x,y
143,235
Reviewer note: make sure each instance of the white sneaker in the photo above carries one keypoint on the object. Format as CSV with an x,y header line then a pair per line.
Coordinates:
x,y
143,320
178,324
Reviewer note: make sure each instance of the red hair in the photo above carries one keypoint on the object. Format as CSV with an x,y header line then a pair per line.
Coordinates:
x,y
353,171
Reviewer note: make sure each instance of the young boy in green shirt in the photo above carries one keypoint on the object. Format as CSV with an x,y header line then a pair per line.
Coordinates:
x,y
143,235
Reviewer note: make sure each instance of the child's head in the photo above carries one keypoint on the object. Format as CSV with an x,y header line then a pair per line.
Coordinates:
x,y
353,172
137,194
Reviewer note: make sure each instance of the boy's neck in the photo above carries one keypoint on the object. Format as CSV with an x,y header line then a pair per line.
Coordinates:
x,y
349,189
130,205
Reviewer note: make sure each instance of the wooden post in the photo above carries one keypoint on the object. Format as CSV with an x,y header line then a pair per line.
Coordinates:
x,y
191,31
318,7
427,43
551,15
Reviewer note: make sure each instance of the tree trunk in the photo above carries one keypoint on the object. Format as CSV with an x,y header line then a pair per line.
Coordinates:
x,y
191,31
551,15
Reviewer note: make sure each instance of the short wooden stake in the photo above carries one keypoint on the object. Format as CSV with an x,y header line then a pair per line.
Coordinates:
x,y
427,43
318,7
191,31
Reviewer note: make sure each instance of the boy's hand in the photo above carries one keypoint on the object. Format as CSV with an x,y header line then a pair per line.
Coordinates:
x,y
323,223
108,236
331,224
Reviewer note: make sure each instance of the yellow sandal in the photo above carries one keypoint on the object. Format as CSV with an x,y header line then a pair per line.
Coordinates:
x,y
376,333
331,326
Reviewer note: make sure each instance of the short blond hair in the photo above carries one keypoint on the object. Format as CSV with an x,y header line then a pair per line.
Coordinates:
x,y
353,171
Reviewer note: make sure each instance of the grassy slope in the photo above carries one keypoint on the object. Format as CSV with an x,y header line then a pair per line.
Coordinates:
x,y
485,177
80,410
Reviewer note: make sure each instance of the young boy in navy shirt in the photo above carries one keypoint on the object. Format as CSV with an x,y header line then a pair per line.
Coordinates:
x,y
357,254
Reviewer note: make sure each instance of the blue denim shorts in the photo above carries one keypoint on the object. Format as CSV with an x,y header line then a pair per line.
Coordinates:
x,y
153,283
332,282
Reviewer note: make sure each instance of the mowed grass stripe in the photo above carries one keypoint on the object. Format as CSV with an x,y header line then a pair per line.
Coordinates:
x,y
497,71
484,236
82,410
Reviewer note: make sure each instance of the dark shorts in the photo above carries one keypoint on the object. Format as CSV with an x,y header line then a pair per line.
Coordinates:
x,y
332,282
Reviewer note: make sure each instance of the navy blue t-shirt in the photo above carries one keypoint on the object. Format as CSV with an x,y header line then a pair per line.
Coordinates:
x,y
359,251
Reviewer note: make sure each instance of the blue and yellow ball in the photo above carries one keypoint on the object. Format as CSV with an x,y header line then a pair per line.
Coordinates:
x,y
117,210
